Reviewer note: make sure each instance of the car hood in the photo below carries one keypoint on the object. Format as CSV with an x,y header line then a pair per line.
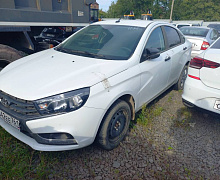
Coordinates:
x,y
51,72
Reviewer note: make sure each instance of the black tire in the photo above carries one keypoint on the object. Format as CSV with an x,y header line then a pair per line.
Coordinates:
x,y
114,126
8,55
180,83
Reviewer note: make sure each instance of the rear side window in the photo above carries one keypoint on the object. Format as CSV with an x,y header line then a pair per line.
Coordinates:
x,y
216,45
173,38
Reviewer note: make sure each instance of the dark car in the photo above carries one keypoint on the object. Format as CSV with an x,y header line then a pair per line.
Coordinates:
x,y
52,36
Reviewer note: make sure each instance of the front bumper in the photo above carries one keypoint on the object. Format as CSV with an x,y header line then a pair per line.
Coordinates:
x,y
197,94
82,124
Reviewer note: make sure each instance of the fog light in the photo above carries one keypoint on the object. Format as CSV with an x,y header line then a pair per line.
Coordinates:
x,y
56,136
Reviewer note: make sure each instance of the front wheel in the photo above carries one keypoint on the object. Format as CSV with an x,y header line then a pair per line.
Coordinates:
x,y
180,83
114,126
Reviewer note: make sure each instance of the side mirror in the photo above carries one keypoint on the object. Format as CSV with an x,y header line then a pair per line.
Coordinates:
x,y
150,53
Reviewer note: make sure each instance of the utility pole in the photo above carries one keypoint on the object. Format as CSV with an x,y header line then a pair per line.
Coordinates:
x,y
171,13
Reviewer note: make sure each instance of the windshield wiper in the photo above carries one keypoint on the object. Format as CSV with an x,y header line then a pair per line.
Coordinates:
x,y
86,53
100,56
83,53
62,50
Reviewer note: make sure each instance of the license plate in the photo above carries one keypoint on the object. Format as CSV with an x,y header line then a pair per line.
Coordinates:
x,y
217,105
10,120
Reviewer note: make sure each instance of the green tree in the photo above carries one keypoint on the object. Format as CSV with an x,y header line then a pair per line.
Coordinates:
x,y
208,10
102,14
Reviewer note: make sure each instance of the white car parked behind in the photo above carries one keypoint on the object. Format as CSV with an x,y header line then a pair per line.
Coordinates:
x,y
202,86
200,37
90,86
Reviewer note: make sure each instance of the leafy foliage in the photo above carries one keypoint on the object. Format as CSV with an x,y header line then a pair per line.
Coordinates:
x,y
207,10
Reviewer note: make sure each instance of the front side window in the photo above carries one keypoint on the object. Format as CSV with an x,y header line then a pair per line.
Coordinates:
x,y
214,34
173,37
112,42
156,40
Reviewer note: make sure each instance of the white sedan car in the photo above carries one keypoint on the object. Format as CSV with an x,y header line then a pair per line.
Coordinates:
x,y
202,86
200,37
90,86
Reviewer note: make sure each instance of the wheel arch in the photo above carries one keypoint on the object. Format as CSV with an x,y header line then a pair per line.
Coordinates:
x,y
128,99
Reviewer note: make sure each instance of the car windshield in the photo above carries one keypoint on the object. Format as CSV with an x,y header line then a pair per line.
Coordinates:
x,y
216,44
193,31
112,42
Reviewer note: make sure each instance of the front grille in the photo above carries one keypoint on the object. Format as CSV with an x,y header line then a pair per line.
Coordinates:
x,y
17,107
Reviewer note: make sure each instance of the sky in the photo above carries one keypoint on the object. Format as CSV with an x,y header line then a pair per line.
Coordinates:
x,y
104,4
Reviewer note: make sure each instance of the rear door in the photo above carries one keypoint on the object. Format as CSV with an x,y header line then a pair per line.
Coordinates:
x,y
179,52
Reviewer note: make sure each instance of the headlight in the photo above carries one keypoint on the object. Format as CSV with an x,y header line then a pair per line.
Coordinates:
x,y
61,103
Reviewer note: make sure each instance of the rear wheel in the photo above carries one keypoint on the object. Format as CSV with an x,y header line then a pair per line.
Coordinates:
x,y
114,126
180,84
8,55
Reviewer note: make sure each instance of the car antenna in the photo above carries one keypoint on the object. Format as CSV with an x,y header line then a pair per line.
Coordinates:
x,y
118,20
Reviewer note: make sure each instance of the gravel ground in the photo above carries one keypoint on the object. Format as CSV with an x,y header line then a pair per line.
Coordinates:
x,y
176,144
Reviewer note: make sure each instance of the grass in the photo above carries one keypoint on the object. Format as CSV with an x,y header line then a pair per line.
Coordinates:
x,y
184,116
147,114
18,161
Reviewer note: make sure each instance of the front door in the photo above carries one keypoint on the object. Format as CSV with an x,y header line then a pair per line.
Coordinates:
x,y
154,72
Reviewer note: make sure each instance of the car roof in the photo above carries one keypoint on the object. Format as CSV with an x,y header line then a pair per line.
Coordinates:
x,y
140,23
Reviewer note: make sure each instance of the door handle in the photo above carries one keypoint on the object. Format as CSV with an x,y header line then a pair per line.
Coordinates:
x,y
185,48
167,58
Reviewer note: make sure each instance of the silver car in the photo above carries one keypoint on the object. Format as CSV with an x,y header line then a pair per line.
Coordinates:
x,y
200,37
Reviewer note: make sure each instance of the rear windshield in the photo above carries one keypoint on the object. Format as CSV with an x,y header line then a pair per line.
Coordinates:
x,y
112,42
182,25
216,44
192,31
215,26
